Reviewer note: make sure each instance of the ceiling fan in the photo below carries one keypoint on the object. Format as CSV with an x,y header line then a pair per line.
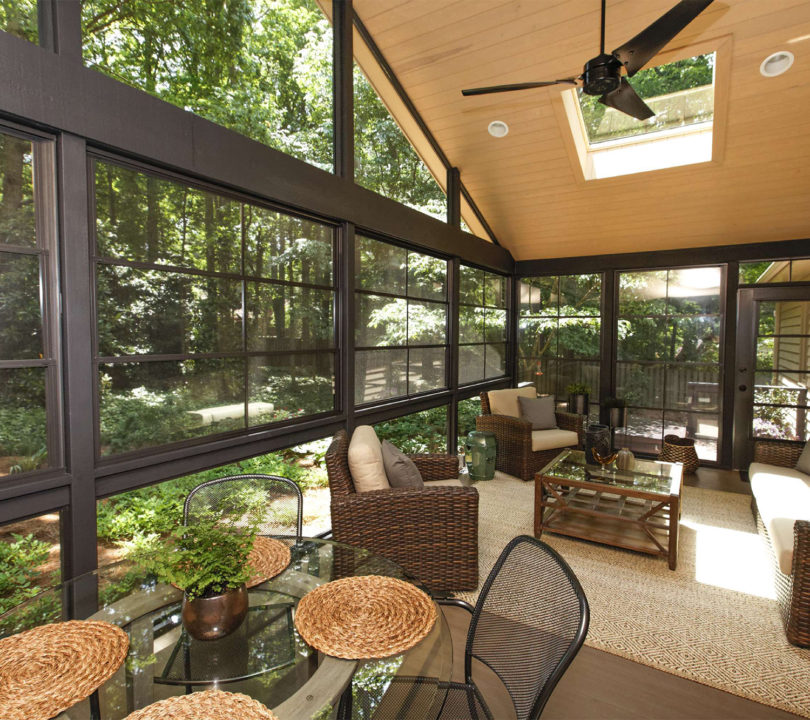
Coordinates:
x,y
603,74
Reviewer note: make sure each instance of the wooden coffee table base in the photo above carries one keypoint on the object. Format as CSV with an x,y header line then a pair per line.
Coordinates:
x,y
625,517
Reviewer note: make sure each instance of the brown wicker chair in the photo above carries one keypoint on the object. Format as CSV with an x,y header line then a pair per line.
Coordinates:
x,y
792,591
432,533
514,437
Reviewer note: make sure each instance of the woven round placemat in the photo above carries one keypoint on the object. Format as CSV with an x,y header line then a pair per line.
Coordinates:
x,y
369,616
50,668
206,705
268,558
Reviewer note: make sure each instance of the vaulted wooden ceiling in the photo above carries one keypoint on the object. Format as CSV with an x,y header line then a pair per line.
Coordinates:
x,y
528,184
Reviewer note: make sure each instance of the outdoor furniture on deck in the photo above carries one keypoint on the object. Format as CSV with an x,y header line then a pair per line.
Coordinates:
x,y
431,532
258,659
521,452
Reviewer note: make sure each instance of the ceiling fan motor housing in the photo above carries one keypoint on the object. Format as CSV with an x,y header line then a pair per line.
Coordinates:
x,y
602,75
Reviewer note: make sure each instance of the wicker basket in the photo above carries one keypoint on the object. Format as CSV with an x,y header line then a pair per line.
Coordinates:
x,y
682,450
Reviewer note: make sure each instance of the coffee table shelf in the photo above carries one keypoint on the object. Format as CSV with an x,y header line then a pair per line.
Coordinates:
x,y
636,510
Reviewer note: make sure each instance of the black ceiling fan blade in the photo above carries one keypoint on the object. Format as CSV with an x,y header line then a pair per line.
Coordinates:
x,y
636,53
626,100
516,86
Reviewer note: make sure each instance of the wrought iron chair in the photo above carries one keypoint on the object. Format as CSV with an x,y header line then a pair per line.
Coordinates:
x,y
272,502
529,623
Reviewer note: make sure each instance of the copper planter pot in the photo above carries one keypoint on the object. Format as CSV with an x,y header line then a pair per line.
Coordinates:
x,y
209,618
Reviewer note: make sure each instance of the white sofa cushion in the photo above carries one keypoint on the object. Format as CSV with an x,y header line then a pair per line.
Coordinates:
x,y
552,439
783,496
366,460
505,402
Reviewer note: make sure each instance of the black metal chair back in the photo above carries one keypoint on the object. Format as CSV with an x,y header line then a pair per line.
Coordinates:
x,y
271,502
530,621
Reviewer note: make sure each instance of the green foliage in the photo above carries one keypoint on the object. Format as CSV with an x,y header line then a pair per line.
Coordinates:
x,y
384,159
157,509
421,432
22,430
20,562
751,272
577,389
468,410
207,558
260,67
19,17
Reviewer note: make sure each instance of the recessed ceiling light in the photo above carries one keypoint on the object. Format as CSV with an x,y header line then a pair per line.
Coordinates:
x,y
498,128
777,63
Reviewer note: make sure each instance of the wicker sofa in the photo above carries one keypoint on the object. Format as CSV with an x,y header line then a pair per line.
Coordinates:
x,y
432,533
516,441
781,506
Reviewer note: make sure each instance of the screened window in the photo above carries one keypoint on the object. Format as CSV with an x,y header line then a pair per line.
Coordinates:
x,y
419,432
19,18
482,325
213,314
668,365
385,161
27,354
559,333
400,321
30,558
262,67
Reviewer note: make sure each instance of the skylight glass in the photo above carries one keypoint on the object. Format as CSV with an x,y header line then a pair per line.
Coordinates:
x,y
680,93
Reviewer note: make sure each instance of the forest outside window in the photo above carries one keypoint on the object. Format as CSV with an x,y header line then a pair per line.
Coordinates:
x,y
28,374
214,314
668,362
400,323
482,326
260,67
560,334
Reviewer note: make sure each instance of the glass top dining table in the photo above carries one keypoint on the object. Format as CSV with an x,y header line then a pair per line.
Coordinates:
x,y
264,658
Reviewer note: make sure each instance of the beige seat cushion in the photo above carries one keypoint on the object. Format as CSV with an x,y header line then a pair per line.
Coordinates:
x,y
783,496
552,439
366,460
505,402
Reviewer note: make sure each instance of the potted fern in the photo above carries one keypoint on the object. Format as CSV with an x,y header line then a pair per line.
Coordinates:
x,y
209,562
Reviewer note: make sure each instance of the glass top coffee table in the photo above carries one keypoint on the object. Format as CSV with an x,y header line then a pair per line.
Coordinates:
x,y
635,509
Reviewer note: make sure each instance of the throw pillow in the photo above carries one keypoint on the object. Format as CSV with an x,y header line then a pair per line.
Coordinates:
x,y
539,412
366,461
803,463
401,470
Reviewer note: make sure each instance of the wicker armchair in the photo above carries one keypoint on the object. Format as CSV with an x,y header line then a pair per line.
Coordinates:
x,y
514,437
792,591
432,533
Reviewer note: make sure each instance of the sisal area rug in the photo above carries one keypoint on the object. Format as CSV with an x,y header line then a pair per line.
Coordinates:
x,y
713,620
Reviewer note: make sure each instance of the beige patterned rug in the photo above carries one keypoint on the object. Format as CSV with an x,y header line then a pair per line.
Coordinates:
x,y
713,620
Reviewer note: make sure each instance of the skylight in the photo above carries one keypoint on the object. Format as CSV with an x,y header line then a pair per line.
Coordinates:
x,y
681,93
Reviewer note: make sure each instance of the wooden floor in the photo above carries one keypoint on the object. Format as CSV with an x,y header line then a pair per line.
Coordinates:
x,y
599,685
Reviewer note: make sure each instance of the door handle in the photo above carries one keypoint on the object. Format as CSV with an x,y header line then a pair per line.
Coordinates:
x,y
743,388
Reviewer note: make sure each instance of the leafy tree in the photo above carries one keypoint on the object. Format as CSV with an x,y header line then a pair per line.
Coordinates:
x,y
19,17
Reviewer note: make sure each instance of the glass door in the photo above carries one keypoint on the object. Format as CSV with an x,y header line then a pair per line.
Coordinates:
x,y
773,368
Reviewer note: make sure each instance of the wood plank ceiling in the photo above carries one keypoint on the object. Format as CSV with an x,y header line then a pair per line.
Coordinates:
x,y
527,185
